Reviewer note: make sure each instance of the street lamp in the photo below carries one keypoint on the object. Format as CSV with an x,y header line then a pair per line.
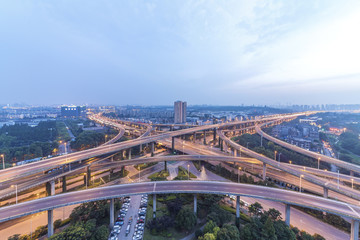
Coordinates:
x,y
279,156
188,172
275,155
239,174
290,161
16,198
3,160
300,182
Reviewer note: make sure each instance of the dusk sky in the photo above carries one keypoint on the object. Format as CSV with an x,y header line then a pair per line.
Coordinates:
x,y
203,52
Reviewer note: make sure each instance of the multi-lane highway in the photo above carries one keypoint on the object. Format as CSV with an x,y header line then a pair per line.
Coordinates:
x,y
327,185
28,169
209,187
317,156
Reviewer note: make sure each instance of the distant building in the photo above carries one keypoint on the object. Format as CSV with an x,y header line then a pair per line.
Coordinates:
x,y
179,112
73,111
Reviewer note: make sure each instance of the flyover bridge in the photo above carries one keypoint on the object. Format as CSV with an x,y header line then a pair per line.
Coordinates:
x,y
193,187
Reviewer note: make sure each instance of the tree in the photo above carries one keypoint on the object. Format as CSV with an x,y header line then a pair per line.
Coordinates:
x,y
228,232
255,209
268,232
273,214
101,232
185,219
207,236
174,206
209,227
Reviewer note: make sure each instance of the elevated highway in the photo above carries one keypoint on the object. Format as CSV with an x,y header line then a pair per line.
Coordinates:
x,y
167,187
320,157
327,185
29,169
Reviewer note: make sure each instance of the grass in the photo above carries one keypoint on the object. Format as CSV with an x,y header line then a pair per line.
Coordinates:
x,y
142,166
161,174
183,174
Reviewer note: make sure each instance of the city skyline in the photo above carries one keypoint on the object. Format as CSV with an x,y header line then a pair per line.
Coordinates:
x,y
156,52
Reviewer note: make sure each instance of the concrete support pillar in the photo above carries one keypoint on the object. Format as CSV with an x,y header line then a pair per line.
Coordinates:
x,y
222,145
354,230
129,153
326,192
204,137
64,183
50,223
88,175
287,214
112,159
152,149
154,206
264,172
52,187
112,210
141,148
235,152
351,173
219,141
194,140
172,145
214,134
171,128
195,203
237,207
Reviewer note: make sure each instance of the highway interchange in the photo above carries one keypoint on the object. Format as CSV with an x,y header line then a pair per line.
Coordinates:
x,y
310,201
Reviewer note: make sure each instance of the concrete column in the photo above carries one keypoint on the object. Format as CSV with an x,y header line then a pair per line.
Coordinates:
x,y
222,145
129,153
354,229
52,189
112,159
64,183
88,175
50,223
195,203
326,192
141,148
219,141
351,173
152,149
214,134
154,205
237,206
112,210
172,145
264,172
204,137
235,152
194,140
287,214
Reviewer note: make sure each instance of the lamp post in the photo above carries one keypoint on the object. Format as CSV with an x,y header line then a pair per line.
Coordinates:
x,y
275,155
300,182
16,197
279,157
239,174
3,160
188,172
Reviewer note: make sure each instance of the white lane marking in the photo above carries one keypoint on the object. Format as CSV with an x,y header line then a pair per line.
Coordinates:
x,y
353,210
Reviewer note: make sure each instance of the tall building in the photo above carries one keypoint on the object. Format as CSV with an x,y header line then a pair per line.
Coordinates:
x,y
180,112
73,111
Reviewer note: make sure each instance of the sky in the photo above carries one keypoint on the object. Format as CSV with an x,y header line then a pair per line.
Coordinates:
x,y
203,52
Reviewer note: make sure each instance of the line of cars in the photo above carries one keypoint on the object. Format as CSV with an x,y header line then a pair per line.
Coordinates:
x,y
140,222
120,219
